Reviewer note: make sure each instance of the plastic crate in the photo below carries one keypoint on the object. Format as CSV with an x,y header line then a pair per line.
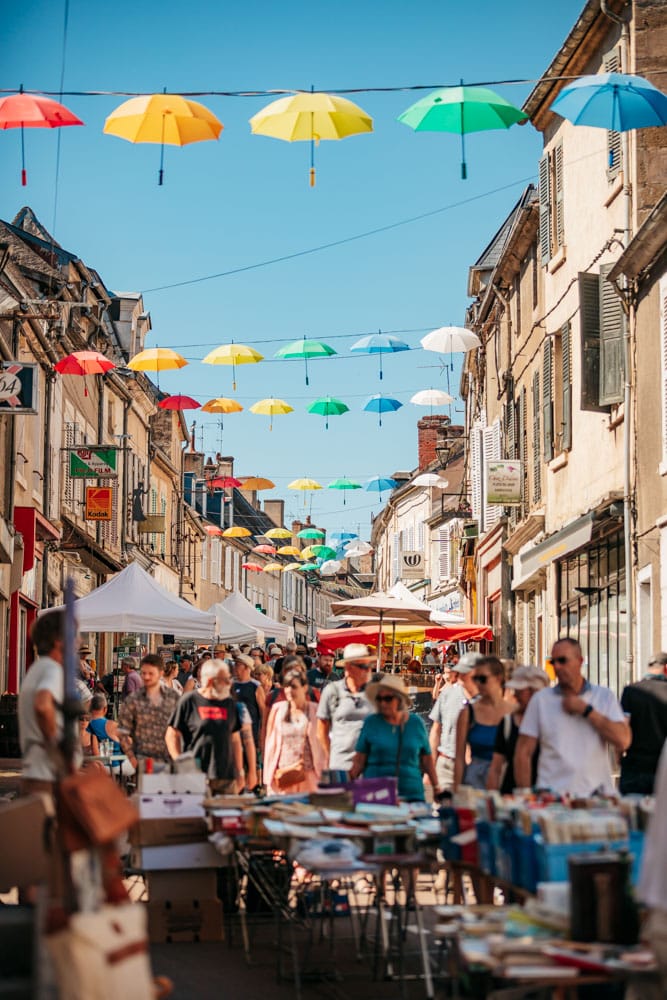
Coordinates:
x,y
506,854
486,845
552,858
526,860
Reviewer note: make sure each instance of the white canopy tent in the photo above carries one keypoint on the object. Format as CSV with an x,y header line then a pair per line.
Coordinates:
x,y
133,601
400,591
228,628
240,608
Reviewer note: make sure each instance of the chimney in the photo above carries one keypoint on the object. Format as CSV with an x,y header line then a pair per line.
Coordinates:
x,y
429,429
275,509
225,464
296,528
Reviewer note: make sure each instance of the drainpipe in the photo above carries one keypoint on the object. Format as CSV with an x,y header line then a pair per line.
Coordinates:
x,y
123,507
46,479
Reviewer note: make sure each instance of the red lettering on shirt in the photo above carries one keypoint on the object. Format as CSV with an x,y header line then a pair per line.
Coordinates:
x,y
212,712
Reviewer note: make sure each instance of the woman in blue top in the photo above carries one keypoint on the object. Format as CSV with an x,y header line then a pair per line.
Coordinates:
x,y
393,743
101,728
478,723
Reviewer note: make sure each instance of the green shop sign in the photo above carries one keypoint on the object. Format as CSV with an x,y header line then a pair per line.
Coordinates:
x,y
91,462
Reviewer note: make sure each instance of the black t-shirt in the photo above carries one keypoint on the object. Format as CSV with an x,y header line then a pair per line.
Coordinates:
x,y
646,702
206,725
246,691
506,737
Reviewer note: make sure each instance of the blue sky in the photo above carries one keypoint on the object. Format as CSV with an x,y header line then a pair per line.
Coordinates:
x,y
246,199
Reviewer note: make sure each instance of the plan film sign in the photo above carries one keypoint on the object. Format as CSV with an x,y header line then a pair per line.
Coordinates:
x,y
503,483
18,388
412,565
88,463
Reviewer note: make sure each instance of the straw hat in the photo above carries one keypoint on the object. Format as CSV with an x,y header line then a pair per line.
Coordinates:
x,y
390,682
528,677
355,652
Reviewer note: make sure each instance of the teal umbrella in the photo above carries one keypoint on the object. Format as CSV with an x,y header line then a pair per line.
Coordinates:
x,y
323,552
328,406
343,484
379,343
305,349
461,110
307,567
311,533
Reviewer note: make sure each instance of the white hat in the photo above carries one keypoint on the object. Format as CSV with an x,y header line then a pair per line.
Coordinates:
x,y
393,683
528,677
355,652
467,663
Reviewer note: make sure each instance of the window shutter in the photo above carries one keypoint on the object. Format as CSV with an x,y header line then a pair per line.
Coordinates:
x,y
522,414
420,536
663,354
547,401
566,354
544,196
612,329
444,555
537,460
395,558
612,64
492,453
559,227
204,558
510,434
476,473
589,327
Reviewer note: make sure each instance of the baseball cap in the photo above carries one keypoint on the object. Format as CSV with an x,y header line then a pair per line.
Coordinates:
x,y
246,660
528,677
658,660
467,663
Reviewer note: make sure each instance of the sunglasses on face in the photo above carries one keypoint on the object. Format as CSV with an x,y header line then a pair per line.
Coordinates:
x,y
480,678
554,660
385,697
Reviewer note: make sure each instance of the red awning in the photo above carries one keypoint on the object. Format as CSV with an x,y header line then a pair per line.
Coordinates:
x,y
331,639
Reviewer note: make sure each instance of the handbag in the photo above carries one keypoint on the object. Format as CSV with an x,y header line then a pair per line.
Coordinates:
x,y
287,777
92,809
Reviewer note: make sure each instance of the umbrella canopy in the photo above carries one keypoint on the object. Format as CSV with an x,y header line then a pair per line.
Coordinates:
x,y
381,608
221,405
179,403
304,484
291,566
233,354
329,640
431,397
379,343
223,483
380,484
461,110
167,119
305,349
381,404
447,339
212,529
289,550
253,567
311,117
330,567
430,479
33,111
273,567
309,552
328,406
253,484
267,550
308,567
311,533
236,532
344,536
270,408
323,551
614,101
156,359
278,533
345,485
84,363
358,549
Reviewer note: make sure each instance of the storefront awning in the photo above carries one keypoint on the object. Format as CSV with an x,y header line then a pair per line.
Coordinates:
x,y
537,557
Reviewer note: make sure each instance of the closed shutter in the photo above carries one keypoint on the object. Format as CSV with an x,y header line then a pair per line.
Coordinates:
x,y
663,355
523,456
444,552
510,430
228,569
612,64
547,400
559,222
492,446
204,559
70,441
395,558
537,458
612,328
589,327
476,473
544,197
566,354
420,536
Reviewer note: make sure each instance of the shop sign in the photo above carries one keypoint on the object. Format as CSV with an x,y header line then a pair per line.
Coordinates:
x,y
503,483
412,565
153,524
18,387
99,503
91,462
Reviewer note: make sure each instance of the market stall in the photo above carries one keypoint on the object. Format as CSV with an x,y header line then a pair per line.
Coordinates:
x,y
241,609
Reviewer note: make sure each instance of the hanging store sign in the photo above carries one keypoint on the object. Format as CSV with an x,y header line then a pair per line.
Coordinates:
x,y
91,462
99,503
412,565
503,483
18,388
153,524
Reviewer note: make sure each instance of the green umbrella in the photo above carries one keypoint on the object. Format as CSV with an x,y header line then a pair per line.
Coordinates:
x,y
323,551
343,484
305,349
328,406
460,110
311,533
307,567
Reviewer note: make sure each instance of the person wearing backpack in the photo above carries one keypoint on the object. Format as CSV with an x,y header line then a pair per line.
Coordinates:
x,y
343,707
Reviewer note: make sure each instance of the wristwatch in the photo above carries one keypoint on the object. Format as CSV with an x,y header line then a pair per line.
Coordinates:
x,y
587,711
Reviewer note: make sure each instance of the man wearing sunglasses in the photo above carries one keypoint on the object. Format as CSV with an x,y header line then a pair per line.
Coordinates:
x,y
572,723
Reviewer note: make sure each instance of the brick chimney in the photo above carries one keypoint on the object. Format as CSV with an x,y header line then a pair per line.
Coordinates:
x,y
429,429
275,509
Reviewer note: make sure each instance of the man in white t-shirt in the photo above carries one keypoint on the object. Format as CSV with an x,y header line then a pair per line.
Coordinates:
x,y
574,723
41,697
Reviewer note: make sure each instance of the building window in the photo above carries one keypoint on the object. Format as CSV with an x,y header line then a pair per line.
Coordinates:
x,y
547,400
602,326
550,196
612,64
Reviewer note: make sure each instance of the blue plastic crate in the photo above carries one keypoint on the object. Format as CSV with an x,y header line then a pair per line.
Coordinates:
x,y
552,859
527,862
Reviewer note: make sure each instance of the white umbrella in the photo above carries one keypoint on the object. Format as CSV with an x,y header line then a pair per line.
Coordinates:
x,y
330,567
358,549
381,608
430,479
450,338
431,397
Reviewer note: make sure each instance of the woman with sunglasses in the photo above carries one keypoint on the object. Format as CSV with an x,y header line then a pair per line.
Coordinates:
x,y
478,724
393,743
524,683
293,758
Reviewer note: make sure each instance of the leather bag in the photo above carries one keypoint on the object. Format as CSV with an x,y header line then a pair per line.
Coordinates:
x,y
92,810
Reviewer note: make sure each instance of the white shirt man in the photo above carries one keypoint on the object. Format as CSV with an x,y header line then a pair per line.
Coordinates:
x,y
573,724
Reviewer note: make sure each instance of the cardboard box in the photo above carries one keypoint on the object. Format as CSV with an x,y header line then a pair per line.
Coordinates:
x,y
24,859
185,921
179,885
160,832
164,858
164,783
170,806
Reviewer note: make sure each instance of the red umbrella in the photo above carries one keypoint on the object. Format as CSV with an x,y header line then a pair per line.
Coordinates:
x,y
84,363
267,550
179,403
33,111
212,529
254,567
224,483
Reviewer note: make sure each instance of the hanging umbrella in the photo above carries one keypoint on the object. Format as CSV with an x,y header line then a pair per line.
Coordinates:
x,y
223,483
305,349
380,484
290,566
274,567
358,549
311,117
330,567
381,404
311,533
252,484
156,359
33,111
308,567
221,405
344,536
328,406
167,119
309,552
233,354
447,339
614,101
84,363
267,550
323,552
253,567
179,403
304,484
270,408
278,533
236,531
461,110
289,550
379,343
345,485
431,397
430,479
212,529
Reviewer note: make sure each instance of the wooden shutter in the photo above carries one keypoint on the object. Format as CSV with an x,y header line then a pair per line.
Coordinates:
x,y
476,474
510,430
559,221
537,458
443,550
204,558
544,196
547,400
566,355
589,327
612,329
522,414
663,355
492,452
612,64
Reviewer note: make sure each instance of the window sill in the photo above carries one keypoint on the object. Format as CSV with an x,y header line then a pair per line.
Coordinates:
x,y
616,189
559,462
557,260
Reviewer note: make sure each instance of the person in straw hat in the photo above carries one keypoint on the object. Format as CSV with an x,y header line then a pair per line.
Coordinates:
x,y
344,706
393,742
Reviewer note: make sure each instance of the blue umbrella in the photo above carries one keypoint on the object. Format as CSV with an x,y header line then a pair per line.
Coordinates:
x,y
381,404
614,101
380,484
343,536
379,343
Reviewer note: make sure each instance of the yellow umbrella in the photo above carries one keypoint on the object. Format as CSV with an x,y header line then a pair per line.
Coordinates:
x,y
291,566
289,550
167,119
311,117
308,553
222,405
156,359
278,533
236,532
233,354
270,408
253,483
273,567
304,484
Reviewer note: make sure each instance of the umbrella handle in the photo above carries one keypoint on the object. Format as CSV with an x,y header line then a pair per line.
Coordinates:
x,y
24,174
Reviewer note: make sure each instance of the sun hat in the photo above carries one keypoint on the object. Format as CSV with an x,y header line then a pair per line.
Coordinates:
x,y
246,660
392,682
528,677
467,663
355,652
